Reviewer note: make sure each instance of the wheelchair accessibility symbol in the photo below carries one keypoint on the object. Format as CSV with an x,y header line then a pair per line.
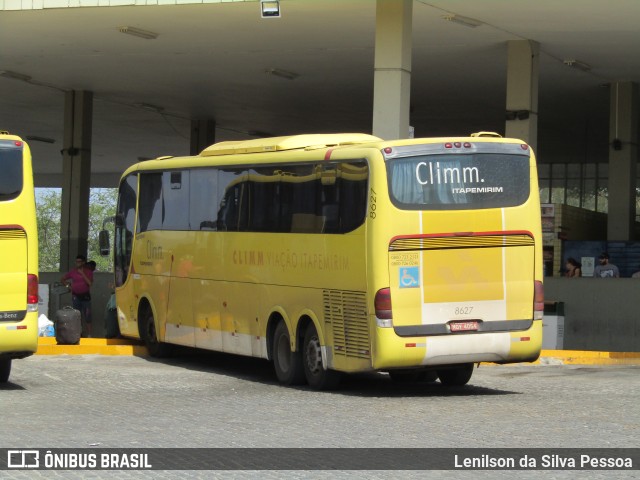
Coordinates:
x,y
409,277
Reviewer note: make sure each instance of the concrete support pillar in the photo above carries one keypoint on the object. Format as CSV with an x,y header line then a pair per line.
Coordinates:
x,y
522,91
392,77
623,159
203,134
76,172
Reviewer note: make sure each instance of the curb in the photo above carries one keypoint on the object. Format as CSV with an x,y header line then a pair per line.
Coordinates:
x,y
577,357
91,346
118,346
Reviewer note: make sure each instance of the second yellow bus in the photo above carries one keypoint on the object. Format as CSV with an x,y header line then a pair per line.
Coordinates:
x,y
18,254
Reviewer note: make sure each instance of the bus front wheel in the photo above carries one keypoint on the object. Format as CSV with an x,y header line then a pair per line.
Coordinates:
x,y
317,376
287,364
458,376
155,347
5,369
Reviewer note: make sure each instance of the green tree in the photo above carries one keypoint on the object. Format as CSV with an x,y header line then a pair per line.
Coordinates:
x,y
102,204
48,201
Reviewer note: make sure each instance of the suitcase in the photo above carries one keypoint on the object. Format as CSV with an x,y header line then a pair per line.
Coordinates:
x,y
68,326
111,319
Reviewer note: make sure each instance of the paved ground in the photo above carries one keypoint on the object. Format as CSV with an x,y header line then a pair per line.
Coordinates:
x,y
216,400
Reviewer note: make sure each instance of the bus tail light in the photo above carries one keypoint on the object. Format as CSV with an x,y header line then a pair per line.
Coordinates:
x,y
538,300
382,303
32,293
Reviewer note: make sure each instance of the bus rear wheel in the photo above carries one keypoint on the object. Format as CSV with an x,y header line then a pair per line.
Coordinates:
x,y
5,369
149,336
452,377
318,377
286,363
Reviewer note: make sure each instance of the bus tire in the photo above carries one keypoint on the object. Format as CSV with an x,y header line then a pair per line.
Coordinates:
x,y
458,376
5,369
287,364
155,347
318,377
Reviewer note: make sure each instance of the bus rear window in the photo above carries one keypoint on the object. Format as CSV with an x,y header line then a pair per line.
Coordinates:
x,y
11,167
458,182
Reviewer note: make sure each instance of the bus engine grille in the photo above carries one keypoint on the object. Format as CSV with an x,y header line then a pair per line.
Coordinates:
x,y
463,241
12,234
347,313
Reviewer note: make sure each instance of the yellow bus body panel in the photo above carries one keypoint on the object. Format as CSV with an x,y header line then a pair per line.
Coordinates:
x,y
18,258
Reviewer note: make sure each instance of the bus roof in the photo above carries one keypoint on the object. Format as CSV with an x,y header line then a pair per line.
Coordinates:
x,y
222,152
293,142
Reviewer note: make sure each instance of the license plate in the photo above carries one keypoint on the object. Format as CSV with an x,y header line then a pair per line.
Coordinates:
x,y
463,326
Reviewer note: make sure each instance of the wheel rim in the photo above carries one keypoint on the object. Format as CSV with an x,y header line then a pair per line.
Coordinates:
x,y
313,356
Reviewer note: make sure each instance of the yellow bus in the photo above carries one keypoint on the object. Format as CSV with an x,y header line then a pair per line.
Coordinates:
x,y
336,253
18,254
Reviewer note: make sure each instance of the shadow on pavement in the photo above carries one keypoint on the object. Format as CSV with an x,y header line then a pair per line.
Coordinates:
x,y
362,384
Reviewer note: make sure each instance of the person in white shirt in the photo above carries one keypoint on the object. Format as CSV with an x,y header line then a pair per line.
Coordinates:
x,y
605,269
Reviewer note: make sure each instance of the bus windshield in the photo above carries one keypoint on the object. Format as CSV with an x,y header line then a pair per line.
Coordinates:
x,y
11,168
459,181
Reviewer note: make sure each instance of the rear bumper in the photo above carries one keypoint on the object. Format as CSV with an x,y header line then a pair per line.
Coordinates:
x,y
507,346
483,327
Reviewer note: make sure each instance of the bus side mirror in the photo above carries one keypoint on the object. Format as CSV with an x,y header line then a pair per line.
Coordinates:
x,y
103,241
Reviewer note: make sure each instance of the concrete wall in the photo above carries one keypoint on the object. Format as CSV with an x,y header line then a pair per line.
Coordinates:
x,y
100,294
599,314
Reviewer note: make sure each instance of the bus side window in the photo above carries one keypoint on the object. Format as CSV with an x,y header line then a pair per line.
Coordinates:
x,y
264,206
125,221
331,215
152,208
235,204
175,200
353,204
203,204
286,212
244,202
229,213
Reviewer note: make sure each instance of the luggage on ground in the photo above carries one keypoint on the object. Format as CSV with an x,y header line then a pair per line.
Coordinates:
x,y
68,326
111,319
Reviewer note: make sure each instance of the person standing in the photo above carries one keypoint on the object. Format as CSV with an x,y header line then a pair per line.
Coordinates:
x,y
79,281
605,269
